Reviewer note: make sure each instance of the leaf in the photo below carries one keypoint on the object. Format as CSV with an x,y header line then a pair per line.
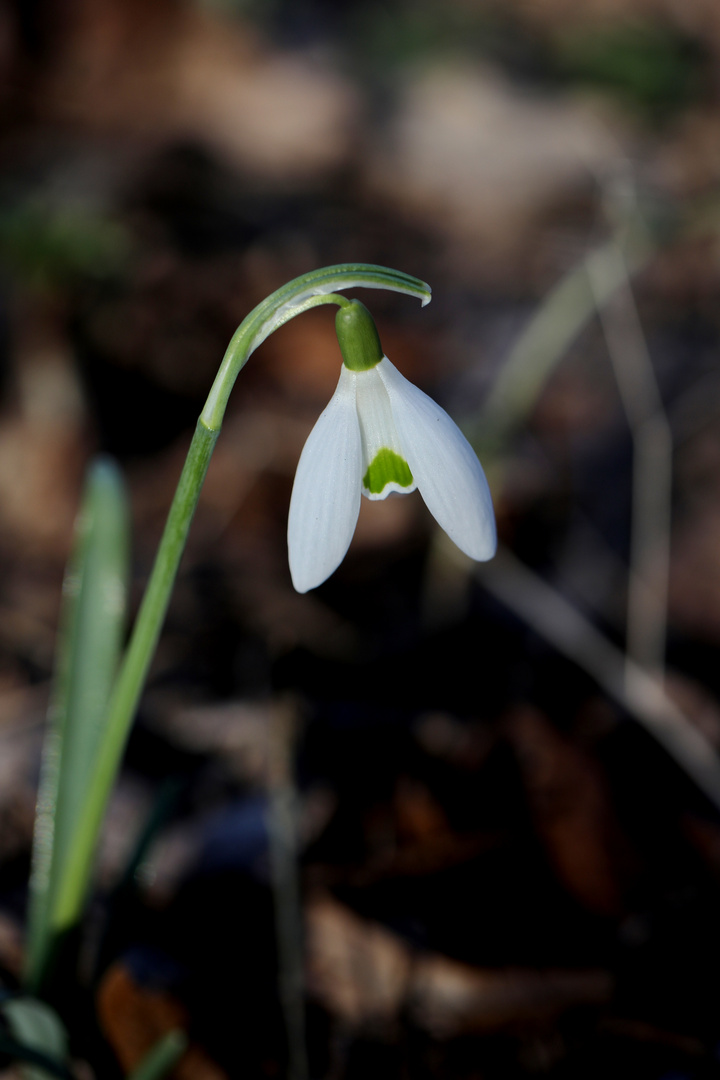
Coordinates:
x,y
164,1055
91,632
36,1027
143,1024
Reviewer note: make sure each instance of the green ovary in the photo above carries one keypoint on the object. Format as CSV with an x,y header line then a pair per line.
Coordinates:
x,y
387,467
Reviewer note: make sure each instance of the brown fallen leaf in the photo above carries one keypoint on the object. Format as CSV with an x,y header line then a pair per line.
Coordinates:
x,y
367,976
572,813
448,998
134,1018
358,969
408,837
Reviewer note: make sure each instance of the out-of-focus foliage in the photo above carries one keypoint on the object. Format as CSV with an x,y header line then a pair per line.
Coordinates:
x,y
50,247
37,1028
648,67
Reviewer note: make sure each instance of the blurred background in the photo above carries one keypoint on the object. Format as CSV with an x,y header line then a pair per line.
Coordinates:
x,y
500,782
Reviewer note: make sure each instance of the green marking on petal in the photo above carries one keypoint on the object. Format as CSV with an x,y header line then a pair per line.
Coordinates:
x,y
385,468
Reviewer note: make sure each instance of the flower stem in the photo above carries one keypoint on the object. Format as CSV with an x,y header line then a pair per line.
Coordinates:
x,y
133,671
299,295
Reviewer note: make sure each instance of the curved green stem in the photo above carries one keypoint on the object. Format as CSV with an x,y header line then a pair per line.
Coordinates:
x,y
299,295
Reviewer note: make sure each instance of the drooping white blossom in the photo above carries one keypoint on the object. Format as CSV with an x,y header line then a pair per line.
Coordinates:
x,y
381,434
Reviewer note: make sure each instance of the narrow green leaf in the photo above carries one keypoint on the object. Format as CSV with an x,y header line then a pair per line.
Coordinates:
x,y
164,1055
90,639
38,1034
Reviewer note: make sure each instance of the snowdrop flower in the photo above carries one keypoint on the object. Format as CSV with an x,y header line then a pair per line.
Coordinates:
x,y
380,434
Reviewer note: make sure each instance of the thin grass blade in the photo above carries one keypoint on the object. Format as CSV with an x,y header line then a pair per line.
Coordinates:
x,y
164,1055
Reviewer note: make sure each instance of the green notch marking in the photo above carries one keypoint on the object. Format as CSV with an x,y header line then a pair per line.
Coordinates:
x,y
386,467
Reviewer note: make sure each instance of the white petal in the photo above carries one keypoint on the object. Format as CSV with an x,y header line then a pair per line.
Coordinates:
x,y
325,499
444,465
378,434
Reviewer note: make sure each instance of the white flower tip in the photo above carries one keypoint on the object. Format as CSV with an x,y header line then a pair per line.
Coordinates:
x,y
469,518
303,582
314,554
481,543
309,568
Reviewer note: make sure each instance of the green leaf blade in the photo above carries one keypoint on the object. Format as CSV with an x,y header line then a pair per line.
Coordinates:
x,y
163,1057
89,645
35,1027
